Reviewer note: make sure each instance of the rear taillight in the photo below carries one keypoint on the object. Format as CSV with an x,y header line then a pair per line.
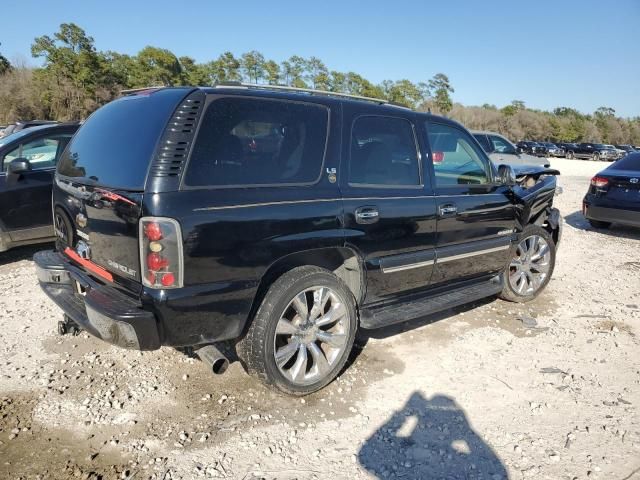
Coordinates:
x,y
599,182
438,157
161,252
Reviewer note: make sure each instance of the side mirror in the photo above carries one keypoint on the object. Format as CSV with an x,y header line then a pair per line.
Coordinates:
x,y
19,165
506,175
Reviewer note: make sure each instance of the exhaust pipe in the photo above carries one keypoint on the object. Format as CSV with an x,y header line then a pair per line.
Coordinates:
x,y
214,358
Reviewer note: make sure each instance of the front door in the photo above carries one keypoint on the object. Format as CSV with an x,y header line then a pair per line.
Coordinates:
x,y
389,209
25,198
475,216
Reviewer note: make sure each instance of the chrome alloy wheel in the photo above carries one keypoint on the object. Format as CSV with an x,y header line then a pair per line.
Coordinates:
x,y
530,265
311,335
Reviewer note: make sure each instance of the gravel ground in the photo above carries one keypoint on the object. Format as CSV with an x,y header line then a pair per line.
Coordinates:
x,y
494,390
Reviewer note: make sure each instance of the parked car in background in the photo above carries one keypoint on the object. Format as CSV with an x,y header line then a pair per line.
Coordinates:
x,y
627,148
568,148
532,148
27,162
614,194
553,150
619,152
177,234
16,127
592,151
502,152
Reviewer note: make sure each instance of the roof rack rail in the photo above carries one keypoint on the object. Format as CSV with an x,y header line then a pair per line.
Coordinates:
x,y
130,91
313,91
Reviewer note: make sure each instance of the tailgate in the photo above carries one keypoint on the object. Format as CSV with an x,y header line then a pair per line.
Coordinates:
x,y
104,223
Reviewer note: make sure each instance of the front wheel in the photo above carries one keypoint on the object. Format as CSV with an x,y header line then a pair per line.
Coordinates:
x,y
596,157
303,331
570,155
531,265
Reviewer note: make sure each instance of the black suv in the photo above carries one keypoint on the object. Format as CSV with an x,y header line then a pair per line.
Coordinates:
x,y
593,151
277,223
533,148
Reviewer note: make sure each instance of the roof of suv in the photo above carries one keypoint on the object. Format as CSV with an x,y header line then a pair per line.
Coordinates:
x,y
298,94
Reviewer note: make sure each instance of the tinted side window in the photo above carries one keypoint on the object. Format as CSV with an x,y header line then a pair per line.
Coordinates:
x,y
383,152
456,160
249,141
484,142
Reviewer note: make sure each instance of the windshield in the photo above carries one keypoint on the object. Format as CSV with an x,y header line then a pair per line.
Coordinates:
x,y
14,136
599,145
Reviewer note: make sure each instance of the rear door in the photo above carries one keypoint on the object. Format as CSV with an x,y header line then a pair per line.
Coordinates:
x,y
475,217
26,197
389,210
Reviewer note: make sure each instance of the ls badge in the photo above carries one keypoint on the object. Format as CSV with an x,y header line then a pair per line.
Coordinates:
x,y
331,173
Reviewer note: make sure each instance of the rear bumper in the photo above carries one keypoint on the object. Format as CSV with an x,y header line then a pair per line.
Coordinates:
x,y
101,311
612,215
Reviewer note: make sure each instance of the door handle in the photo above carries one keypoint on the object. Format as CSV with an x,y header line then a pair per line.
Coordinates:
x,y
366,215
447,210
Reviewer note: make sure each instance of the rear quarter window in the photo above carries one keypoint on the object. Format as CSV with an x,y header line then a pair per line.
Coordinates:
x,y
630,162
115,145
253,141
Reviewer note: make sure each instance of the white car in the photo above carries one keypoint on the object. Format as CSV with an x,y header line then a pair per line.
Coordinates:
x,y
502,152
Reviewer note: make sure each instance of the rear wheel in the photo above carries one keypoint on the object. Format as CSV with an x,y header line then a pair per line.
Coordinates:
x,y
531,266
599,224
303,331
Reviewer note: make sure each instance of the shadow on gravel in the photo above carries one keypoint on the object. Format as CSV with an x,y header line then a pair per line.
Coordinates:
x,y
577,220
23,253
430,438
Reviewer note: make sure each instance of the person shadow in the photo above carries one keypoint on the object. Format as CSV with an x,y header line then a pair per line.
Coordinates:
x,y
430,439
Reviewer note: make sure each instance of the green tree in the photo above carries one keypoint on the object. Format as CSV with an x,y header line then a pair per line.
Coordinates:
x,y
226,68
157,66
441,88
75,78
405,92
252,64
317,73
272,72
194,73
293,71
5,65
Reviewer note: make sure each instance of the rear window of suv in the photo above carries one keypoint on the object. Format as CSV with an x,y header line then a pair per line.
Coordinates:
x,y
115,145
257,142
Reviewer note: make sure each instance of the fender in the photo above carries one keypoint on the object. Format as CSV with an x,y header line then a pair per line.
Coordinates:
x,y
532,201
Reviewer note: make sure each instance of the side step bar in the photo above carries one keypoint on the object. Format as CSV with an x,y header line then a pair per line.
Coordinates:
x,y
407,309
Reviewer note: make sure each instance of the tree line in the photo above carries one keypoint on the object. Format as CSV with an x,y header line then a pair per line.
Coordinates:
x,y
75,79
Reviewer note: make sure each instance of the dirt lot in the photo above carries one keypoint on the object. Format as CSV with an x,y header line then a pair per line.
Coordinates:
x,y
495,390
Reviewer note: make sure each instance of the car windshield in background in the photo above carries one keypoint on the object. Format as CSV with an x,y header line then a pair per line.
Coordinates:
x,y
19,134
599,145
115,145
630,162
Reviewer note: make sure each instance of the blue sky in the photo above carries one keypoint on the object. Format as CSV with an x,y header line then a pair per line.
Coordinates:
x,y
581,54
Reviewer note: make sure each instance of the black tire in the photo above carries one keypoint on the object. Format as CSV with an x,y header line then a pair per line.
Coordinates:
x,y
569,155
596,157
599,224
509,292
64,228
256,350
